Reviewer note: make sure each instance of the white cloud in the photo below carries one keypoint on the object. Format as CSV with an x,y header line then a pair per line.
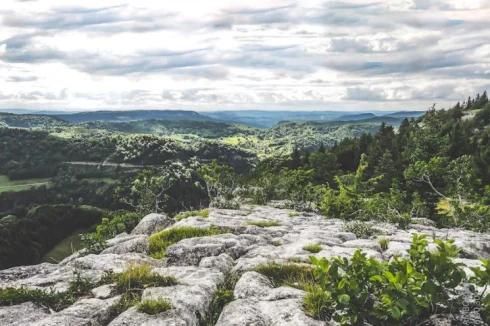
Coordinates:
x,y
303,54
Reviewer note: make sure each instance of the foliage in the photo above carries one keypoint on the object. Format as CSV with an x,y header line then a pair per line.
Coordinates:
x,y
95,242
362,230
25,240
221,181
159,242
383,242
313,248
153,307
405,291
264,224
222,296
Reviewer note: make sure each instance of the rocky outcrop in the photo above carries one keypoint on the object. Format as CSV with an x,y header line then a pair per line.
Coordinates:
x,y
201,266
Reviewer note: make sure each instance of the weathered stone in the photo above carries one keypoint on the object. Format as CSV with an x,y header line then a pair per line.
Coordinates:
x,y
102,292
152,223
138,244
223,263
252,285
113,262
22,314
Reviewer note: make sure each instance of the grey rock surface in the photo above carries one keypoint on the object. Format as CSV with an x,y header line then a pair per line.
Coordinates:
x,y
201,265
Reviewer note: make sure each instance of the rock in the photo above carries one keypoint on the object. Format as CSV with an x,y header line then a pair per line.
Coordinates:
x,y
90,312
152,223
362,244
252,285
102,292
113,262
223,263
23,314
132,317
423,221
138,244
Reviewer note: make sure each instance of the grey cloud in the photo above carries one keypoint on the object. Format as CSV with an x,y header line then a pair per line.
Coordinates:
x,y
18,79
364,94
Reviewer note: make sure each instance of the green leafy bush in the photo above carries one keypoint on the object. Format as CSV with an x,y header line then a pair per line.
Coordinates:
x,y
153,307
160,241
405,291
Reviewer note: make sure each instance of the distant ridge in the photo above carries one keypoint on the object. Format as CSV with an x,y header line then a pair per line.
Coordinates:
x,y
135,115
353,117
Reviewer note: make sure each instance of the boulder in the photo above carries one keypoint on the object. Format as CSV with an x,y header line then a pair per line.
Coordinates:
x,y
22,314
152,223
138,244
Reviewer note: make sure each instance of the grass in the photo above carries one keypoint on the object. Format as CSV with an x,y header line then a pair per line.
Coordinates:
x,y
221,298
105,180
298,276
65,248
159,242
294,214
318,303
313,248
264,224
277,243
19,185
133,281
153,307
383,242
201,213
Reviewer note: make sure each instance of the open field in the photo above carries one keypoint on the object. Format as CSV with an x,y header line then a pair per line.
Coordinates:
x,y
19,185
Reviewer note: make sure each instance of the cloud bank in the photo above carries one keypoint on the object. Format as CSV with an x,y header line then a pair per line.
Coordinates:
x,y
293,55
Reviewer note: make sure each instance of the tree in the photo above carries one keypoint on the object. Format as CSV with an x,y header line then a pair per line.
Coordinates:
x,y
221,180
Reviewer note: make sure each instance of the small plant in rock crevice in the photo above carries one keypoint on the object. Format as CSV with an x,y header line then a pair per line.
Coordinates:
x,y
153,307
294,275
159,242
383,242
313,248
264,224
222,296
201,213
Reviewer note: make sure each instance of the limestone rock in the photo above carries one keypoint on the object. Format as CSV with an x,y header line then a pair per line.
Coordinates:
x,y
134,244
152,223
23,314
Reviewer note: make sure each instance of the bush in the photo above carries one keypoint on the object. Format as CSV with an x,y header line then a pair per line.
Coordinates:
x,y
362,230
159,242
406,291
153,307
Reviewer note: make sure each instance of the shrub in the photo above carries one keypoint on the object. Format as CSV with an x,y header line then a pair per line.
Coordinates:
x,y
362,230
298,276
405,291
153,307
159,242
313,248
264,224
202,213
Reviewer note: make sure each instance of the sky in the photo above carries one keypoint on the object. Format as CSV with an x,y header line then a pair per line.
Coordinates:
x,y
230,55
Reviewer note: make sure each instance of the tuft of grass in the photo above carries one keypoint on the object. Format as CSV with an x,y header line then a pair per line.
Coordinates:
x,y
133,281
293,214
153,307
313,248
277,243
202,213
264,224
318,303
362,230
160,241
383,242
298,276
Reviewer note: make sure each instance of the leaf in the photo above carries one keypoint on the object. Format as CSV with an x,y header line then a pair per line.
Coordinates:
x,y
344,298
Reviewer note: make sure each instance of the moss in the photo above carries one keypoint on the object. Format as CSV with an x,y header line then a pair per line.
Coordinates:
x,y
159,242
313,248
153,307
264,224
202,213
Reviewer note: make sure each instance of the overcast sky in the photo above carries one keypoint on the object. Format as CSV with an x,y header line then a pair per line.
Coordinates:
x,y
213,55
